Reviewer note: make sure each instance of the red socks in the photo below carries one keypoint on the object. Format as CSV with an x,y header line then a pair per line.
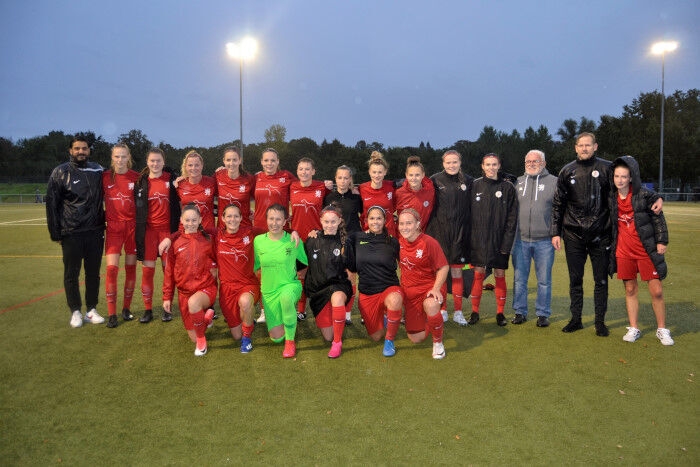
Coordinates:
x,y
477,288
129,284
501,292
435,324
247,330
111,289
338,313
457,292
393,319
147,286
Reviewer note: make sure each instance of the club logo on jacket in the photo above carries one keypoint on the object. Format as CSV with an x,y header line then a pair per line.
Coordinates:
x,y
499,193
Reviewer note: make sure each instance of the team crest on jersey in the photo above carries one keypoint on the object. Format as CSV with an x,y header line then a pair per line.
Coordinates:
x,y
241,189
246,240
426,204
540,187
283,179
419,253
131,186
207,191
390,195
463,187
167,184
317,194
595,174
336,252
499,194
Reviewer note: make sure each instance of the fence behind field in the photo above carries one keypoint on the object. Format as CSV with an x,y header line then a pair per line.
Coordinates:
x,y
7,198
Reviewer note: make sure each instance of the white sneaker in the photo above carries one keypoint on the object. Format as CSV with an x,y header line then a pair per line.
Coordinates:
x,y
76,319
458,318
199,353
444,315
261,318
664,336
632,334
438,350
94,317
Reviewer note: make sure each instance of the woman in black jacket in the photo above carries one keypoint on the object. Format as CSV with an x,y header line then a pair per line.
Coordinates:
x,y
493,204
157,216
639,244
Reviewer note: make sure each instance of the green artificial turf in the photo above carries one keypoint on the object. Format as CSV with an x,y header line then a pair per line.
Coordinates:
x,y
518,395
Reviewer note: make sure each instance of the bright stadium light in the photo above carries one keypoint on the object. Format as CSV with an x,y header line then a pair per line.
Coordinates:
x,y
242,51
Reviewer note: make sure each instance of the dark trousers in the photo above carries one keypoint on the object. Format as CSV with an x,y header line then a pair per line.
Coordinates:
x,y
80,249
577,249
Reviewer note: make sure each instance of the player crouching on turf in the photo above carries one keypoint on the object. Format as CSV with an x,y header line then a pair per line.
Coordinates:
x,y
424,269
191,267
639,243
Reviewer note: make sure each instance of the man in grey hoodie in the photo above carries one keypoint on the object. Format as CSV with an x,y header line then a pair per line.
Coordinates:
x,y
532,240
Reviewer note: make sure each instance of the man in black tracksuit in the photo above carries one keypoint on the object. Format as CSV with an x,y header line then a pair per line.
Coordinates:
x,y
76,220
581,215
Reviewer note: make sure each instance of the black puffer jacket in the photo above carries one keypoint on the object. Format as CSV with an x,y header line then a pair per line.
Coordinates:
x,y
141,202
74,199
449,221
651,228
580,204
494,219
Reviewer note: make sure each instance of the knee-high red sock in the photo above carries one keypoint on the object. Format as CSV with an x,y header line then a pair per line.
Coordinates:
x,y
200,326
338,313
477,287
501,292
147,274
436,326
393,319
111,289
457,292
129,284
247,330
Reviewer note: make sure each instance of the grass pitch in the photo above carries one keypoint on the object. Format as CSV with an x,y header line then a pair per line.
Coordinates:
x,y
135,395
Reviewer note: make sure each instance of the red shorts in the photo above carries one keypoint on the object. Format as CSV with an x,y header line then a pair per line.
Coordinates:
x,y
373,309
153,239
228,300
324,319
182,299
414,313
627,269
120,234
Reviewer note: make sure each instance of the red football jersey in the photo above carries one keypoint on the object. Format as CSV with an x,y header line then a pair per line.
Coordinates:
x,y
159,202
238,191
270,189
202,195
235,257
188,265
119,196
421,200
628,243
307,203
383,197
419,261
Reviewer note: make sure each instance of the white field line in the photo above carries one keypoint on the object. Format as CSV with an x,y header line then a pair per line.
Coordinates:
x,y
24,222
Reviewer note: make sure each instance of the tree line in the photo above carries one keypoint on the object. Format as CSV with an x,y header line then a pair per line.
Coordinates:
x,y
635,132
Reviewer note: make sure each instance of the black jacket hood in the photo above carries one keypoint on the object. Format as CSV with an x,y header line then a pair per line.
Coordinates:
x,y
631,163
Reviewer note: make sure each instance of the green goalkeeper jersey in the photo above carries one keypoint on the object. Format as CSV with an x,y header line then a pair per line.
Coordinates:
x,y
277,260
